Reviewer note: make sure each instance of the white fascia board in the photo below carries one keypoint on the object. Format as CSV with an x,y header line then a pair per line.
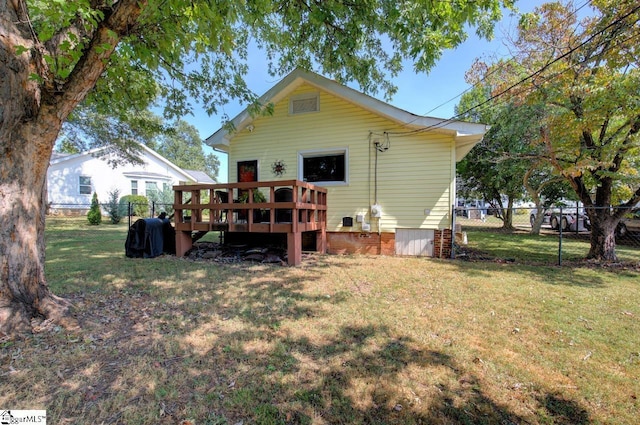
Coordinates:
x,y
220,139
393,113
90,152
464,144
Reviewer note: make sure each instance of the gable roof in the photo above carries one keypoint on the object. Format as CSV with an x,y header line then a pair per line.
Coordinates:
x,y
465,134
58,158
200,176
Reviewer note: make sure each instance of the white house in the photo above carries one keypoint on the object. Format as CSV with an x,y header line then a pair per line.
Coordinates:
x,y
73,178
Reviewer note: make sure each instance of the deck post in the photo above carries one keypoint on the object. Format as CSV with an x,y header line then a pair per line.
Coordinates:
x,y
321,241
183,243
294,248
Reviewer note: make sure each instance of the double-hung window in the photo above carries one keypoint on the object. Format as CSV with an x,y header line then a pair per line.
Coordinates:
x,y
84,185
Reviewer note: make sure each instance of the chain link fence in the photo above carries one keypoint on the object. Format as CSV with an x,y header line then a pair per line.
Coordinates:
x,y
554,236
124,211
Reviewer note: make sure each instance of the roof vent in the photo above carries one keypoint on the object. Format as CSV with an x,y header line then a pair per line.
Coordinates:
x,y
304,104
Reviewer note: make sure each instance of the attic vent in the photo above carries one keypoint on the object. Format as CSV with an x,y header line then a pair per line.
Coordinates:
x,y
304,103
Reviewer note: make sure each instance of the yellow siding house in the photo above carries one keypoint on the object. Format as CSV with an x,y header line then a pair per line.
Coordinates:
x,y
390,174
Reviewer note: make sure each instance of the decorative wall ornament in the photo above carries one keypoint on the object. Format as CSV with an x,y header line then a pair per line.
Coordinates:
x,y
279,168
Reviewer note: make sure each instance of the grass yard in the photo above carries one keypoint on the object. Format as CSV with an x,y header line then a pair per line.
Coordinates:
x,y
488,238
340,340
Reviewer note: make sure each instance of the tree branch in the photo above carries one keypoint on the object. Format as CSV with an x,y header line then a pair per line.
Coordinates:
x,y
118,22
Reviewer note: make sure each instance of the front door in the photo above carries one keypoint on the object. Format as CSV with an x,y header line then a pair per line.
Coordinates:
x,y
247,172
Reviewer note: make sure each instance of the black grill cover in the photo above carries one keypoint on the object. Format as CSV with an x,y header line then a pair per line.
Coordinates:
x,y
150,237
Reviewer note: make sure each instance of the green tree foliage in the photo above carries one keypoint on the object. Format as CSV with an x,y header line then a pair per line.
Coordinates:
x,y
506,165
90,127
113,206
584,75
137,205
66,146
164,199
182,146
179,142
94,215
494,170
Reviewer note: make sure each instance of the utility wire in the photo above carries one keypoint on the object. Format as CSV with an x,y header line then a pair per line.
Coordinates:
x,y
484,78
444,122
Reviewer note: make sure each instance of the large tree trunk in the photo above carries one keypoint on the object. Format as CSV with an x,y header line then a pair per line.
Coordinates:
x,y
539,218
603,240
23,288
27,135
32,111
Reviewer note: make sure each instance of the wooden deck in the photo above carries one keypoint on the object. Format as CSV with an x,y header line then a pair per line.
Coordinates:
x,y
290,207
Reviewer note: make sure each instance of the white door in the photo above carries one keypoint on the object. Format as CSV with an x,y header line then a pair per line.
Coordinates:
x,y
415,242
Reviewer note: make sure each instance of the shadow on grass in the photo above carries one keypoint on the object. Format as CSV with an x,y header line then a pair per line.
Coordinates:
x,y
166,340
214,348
490,250
570,275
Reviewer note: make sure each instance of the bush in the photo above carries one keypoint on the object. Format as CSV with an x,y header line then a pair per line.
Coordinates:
x,y
258,197
139,205
94,215
113,207
164,199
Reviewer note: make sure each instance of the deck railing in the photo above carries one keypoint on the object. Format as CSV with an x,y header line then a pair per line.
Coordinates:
x,y
289,206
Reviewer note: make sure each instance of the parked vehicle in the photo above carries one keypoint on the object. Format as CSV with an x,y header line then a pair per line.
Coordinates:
x,y
546,219
629,224
569,219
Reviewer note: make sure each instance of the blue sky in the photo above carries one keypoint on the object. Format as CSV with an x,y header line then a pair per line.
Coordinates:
x,y
434,94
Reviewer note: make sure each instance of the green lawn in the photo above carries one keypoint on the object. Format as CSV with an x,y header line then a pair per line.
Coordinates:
x,y
488,238
341,339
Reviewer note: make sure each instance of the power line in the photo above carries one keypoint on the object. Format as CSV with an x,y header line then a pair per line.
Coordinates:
x,y
520,82
574,13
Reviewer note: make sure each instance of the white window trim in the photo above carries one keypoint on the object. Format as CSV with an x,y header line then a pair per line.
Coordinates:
x,y
324,152
89,185
315,95
137,188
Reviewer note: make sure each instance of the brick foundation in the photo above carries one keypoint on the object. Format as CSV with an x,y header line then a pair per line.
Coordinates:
x,y
383,244
354,243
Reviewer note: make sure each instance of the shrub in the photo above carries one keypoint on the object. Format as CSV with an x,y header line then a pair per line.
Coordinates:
x,y
139,205
113,207
164,199
94,215
258,197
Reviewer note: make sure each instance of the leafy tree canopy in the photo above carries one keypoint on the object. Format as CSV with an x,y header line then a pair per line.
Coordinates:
x,y
179,141
180,50
583,76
